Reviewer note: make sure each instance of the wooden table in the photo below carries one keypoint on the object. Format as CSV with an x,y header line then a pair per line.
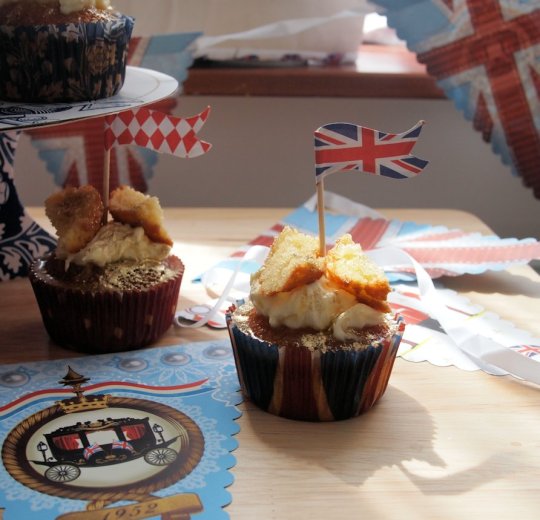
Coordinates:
x,y
441,444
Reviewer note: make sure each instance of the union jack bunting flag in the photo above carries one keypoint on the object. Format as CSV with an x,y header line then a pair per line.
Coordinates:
x,y
157,131
91,450
121,445
440,250
342,147
485,55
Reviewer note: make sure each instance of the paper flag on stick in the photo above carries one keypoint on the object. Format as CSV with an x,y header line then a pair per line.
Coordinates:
x,y
485,55
157,131
342,147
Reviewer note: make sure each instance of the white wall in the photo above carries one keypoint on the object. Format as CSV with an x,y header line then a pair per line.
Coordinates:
x,y
263,156
263,147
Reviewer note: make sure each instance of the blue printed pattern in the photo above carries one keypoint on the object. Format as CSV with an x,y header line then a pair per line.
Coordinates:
x,y
64,62
21,239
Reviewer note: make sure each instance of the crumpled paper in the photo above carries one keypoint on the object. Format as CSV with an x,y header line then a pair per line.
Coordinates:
x,y
269,30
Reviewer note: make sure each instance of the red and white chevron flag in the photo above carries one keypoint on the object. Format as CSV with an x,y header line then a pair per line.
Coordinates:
x,y
158,131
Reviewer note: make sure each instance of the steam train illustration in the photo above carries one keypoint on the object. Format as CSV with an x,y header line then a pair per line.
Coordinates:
x,y
103,442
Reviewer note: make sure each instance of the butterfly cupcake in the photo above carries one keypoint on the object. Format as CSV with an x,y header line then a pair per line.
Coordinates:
x,y
317,340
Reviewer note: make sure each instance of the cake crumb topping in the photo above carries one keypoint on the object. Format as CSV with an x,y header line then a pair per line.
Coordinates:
x,y
348,295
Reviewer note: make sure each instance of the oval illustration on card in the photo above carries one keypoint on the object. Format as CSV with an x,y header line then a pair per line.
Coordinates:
x,y
101,447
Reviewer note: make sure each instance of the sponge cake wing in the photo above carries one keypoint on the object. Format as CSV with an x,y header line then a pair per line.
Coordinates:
x,y
293,261
350,268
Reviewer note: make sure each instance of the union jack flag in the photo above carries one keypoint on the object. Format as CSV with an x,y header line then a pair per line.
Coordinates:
x,y
530,351
342,147
91,450
121,445
485,55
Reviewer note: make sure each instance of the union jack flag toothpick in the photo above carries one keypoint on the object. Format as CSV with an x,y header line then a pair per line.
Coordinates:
x,y
343,147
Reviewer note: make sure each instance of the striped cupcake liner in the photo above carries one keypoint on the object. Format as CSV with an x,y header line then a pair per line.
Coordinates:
x,y
301,384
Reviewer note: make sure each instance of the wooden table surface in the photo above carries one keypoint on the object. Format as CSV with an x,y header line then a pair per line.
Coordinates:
x,y
442,443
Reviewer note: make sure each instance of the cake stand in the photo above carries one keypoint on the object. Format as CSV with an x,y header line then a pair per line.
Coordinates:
x,y
22,240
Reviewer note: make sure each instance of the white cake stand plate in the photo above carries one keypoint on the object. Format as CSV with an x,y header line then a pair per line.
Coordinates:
x,y
21,239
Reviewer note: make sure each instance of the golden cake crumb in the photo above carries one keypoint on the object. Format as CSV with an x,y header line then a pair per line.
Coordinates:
x,y
294,260
350,268
76,215
132,207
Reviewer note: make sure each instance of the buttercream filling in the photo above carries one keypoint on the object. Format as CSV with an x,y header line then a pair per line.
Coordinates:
x,y
321,306
116,242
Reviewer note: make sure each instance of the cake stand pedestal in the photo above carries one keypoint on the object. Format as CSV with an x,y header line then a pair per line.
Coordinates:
x,y
21,239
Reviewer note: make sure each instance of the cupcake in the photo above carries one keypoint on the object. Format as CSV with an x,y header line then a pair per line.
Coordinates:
x,y
61,50
317,340
108,286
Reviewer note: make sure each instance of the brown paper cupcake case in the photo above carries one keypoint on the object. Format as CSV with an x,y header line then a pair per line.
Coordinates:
x,y
108,320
